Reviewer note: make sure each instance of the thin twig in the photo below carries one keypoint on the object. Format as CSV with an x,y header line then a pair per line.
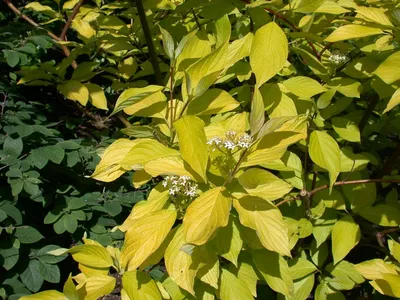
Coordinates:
x,y
70,19
196,19
323,50
149,41
360,181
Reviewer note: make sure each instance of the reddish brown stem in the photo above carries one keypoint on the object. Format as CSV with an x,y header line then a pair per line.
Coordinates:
x,y
381,234
33,23
70,19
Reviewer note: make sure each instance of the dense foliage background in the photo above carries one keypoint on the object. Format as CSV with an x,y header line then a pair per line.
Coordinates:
x,y
282,114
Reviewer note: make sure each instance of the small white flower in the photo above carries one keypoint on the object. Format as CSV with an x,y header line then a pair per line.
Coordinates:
x,y
229,145
338,58
230,135
244,141
215,141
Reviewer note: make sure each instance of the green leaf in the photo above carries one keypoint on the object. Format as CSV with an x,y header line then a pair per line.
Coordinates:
x,y
168,43
69,289
3,215
324,151
12,57
76,203
346,86
70,223
233,288
303,87
9,257
193,143
275,271
269,45
31,276
382,214
205,215
222,30
59,226
388,285
345,236
12,146
28,234
52,216
348,32
50,273
44,257
276,103
346,129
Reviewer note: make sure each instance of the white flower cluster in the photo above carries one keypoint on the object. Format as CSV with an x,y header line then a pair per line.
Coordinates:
x,y
180,185
231,141
338,58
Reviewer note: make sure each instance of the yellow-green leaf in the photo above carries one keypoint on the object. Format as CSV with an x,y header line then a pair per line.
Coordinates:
x,y
46,295
69,289
307,6
139,285
109,169
127,67
346,86
394,101
148,101
228,242
233,288
205,71
239,49
388,285
375,268
206,214
375,15
144,151
263,184
170,165
345,236
324,151
301,267
257,113
212,102
276,103
96,287
275,271
348,32
346,129
91,255
269,52
382,214
303,87
145,236
266,219
193,143
178,263
83,28
97,96
44,9
74,90
389,69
